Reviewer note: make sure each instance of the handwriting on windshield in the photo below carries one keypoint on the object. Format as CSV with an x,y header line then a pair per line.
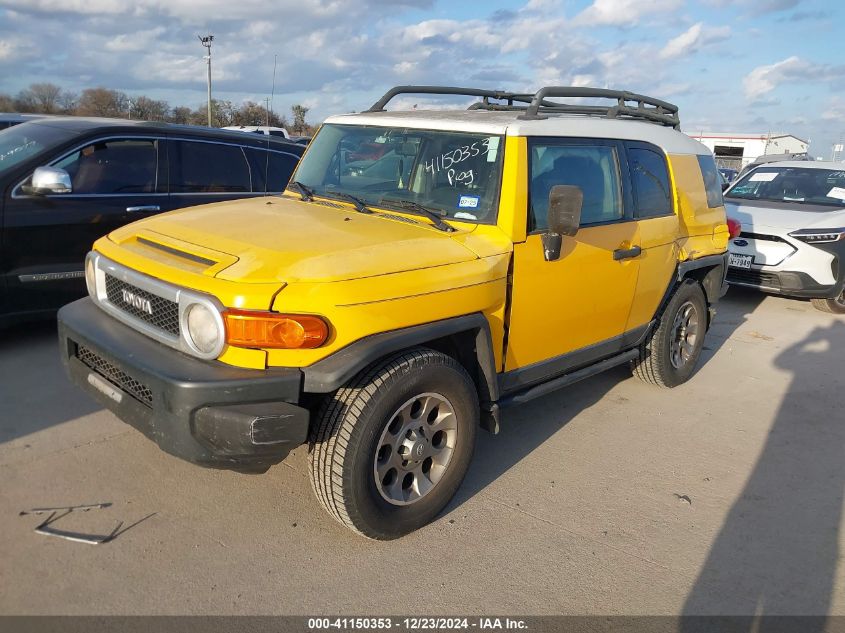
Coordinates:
x,y
465,178
17,150
448,159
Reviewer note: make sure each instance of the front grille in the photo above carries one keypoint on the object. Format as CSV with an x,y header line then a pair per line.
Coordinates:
x,y
753,277
165,313
115,375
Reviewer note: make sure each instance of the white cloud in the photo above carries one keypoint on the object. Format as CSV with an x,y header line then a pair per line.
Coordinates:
x,y
764,79
69,6
835,110
137,41
623,12
8,50
694,39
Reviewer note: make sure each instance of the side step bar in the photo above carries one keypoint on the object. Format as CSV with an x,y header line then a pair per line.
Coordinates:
x,y
567,379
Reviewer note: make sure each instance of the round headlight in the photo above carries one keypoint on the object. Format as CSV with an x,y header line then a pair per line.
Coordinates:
x,y
204,332
91,277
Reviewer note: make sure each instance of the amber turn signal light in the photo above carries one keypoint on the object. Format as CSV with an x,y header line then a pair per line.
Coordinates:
x,y
247,328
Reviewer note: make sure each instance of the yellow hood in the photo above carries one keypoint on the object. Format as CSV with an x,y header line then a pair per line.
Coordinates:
x,y
276,239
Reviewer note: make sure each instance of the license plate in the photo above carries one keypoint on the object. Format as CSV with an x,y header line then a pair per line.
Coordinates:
x,y
740,261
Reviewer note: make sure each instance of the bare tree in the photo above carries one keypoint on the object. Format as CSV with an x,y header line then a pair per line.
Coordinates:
x,y
103,102
223,113
44,97
68,102
148,109
180,114
49,98
251,113
299,112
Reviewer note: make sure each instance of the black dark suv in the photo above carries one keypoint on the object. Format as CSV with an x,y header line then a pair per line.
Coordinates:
x,y
66,181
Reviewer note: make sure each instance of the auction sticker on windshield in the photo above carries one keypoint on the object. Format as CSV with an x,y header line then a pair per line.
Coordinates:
x,y
837,192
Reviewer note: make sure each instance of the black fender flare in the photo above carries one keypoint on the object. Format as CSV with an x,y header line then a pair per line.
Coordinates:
x,y
714,281
336,370
714,284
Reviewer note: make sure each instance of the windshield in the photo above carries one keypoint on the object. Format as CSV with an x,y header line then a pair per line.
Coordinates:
x,y
22,141
802,185
455,174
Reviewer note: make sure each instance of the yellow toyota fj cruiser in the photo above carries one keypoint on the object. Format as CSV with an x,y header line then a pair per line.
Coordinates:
x,y
423,271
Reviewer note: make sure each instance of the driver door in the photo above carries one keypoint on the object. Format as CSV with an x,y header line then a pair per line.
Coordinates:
x,y
574,310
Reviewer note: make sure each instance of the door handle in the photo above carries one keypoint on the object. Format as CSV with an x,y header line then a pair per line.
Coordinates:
x,y
143,207
627,253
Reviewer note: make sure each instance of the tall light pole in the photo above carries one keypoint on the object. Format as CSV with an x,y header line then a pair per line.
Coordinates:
x,y
206,41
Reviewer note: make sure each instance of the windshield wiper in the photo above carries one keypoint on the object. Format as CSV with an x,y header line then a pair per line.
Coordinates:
x,y
360,205
304,192
416,207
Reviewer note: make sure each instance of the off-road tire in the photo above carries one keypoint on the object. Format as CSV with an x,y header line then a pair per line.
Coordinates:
x,y
654,365
349,428
833,306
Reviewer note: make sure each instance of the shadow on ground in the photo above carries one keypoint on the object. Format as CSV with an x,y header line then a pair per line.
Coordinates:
x,y
778,549
731,314
34,392
526,427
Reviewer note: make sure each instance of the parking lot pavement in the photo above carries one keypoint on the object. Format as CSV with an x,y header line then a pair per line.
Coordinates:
x,y
609,497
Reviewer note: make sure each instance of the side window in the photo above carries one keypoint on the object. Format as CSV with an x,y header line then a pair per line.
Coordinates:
x,y
197,167
276,165
712,182
650,177
114,166
595,169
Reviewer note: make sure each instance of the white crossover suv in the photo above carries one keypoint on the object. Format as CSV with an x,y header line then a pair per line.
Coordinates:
x,y
792,241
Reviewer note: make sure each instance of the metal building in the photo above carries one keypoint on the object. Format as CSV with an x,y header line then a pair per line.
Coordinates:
x,y
737,150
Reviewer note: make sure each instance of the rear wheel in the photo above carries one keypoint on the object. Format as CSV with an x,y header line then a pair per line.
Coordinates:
x,y
391,448
835,306
669,357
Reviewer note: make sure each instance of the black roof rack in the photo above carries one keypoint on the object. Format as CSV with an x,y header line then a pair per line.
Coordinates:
x,y
537,105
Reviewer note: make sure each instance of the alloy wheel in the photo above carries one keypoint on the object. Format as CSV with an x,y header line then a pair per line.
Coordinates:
x,y
415,448
685,332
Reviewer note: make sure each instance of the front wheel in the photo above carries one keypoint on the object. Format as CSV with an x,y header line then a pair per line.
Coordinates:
x,y
834,306
669,357
390,449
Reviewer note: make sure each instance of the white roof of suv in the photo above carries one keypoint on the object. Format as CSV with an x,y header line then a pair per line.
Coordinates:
x,y
631,116
508,123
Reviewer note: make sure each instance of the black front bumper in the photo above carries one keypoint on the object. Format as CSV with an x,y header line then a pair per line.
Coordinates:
x,y
791,284
205,412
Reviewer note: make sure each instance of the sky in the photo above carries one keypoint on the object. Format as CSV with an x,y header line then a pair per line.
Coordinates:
x,y
745,66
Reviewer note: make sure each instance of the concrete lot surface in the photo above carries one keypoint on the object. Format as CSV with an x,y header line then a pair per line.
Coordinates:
x,y
609,497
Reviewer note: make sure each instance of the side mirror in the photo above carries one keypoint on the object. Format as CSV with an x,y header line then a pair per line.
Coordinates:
x,y
47,180
725,185
564,218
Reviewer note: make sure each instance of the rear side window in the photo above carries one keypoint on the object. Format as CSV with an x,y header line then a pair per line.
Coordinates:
x,y
712,182
595,169
652,192
113,166
277,166
208,168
